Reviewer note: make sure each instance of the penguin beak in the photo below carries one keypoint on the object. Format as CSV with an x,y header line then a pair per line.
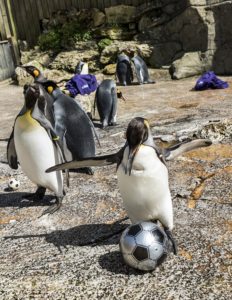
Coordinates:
x,y
123,98
132,153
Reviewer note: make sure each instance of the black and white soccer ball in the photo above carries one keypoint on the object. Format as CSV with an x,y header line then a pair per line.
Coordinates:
x,y
144,245
13,184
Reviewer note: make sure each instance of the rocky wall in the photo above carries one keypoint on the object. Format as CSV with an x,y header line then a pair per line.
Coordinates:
x,y
188,36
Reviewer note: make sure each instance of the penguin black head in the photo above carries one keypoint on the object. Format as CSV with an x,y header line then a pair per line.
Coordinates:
x,y
49,86
137,133
120,95
33,71
31,94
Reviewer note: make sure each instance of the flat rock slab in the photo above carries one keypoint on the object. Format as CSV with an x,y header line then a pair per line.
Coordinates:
x,y
74,254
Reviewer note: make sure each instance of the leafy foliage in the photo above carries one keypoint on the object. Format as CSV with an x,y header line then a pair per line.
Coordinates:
x,y
66,35
104,43
50,40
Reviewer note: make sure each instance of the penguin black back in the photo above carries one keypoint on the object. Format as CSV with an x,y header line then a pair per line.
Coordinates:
x,y
124,70
106,100
72,124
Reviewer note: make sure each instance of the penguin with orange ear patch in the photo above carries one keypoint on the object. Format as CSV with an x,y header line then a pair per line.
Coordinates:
x,y
72,125
35,73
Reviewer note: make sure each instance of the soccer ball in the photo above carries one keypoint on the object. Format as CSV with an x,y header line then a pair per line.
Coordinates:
x,y
144,245
13,184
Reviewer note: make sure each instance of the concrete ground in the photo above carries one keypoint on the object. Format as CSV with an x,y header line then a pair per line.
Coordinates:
x,y
74,253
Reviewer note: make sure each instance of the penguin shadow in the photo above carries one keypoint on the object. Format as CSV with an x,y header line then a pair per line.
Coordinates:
x,y
87,235
114,263
17,199
83,235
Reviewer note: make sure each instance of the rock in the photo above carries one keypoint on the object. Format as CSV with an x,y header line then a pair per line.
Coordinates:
x,y
163,54
67,60
109,69
22,77
144,23
116,33
190,64
86,102
109,53
120,14
99,17
43,58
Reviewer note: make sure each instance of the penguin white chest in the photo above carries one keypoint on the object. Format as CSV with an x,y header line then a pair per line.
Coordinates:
x,y
36,153
145,193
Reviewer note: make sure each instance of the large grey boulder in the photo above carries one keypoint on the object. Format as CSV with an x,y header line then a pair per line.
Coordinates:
x,y
192,63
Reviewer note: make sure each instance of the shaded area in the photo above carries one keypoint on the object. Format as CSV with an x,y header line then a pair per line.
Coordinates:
x,y
222,58
17,199
82,235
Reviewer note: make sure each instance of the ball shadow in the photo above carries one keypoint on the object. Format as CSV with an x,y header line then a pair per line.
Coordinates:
x,y
114,263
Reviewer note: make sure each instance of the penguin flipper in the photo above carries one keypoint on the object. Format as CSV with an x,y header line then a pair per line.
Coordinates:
x,y
11,152
95,161
178,149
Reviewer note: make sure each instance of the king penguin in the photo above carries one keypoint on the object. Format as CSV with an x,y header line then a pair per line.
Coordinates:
x,y
72,125
142,174
33,145
106,99
124,70
141,70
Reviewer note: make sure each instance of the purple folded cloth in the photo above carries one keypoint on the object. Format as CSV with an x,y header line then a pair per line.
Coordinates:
x,y
210,81
81,84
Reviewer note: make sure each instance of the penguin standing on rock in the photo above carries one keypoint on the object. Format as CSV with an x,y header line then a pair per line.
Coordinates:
x,y
106,99
81,68
141,70
33,144
142,174
123,70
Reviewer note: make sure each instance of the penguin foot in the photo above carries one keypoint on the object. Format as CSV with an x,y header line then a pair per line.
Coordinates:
x,y
169,235
37,196
54,207
113,124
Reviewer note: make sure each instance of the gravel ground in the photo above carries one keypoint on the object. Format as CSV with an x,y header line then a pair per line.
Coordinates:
x,y
74,253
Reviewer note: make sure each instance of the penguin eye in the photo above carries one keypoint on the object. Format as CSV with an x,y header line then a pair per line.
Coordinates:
x,y
36,73
50,89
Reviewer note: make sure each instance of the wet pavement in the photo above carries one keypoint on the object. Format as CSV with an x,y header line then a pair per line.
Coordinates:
x,y
74,253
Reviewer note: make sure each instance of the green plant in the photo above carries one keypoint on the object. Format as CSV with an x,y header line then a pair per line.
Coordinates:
x,y
73,32
104,43
50,41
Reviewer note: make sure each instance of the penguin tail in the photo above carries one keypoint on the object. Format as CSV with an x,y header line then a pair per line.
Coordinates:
x,y
178,149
